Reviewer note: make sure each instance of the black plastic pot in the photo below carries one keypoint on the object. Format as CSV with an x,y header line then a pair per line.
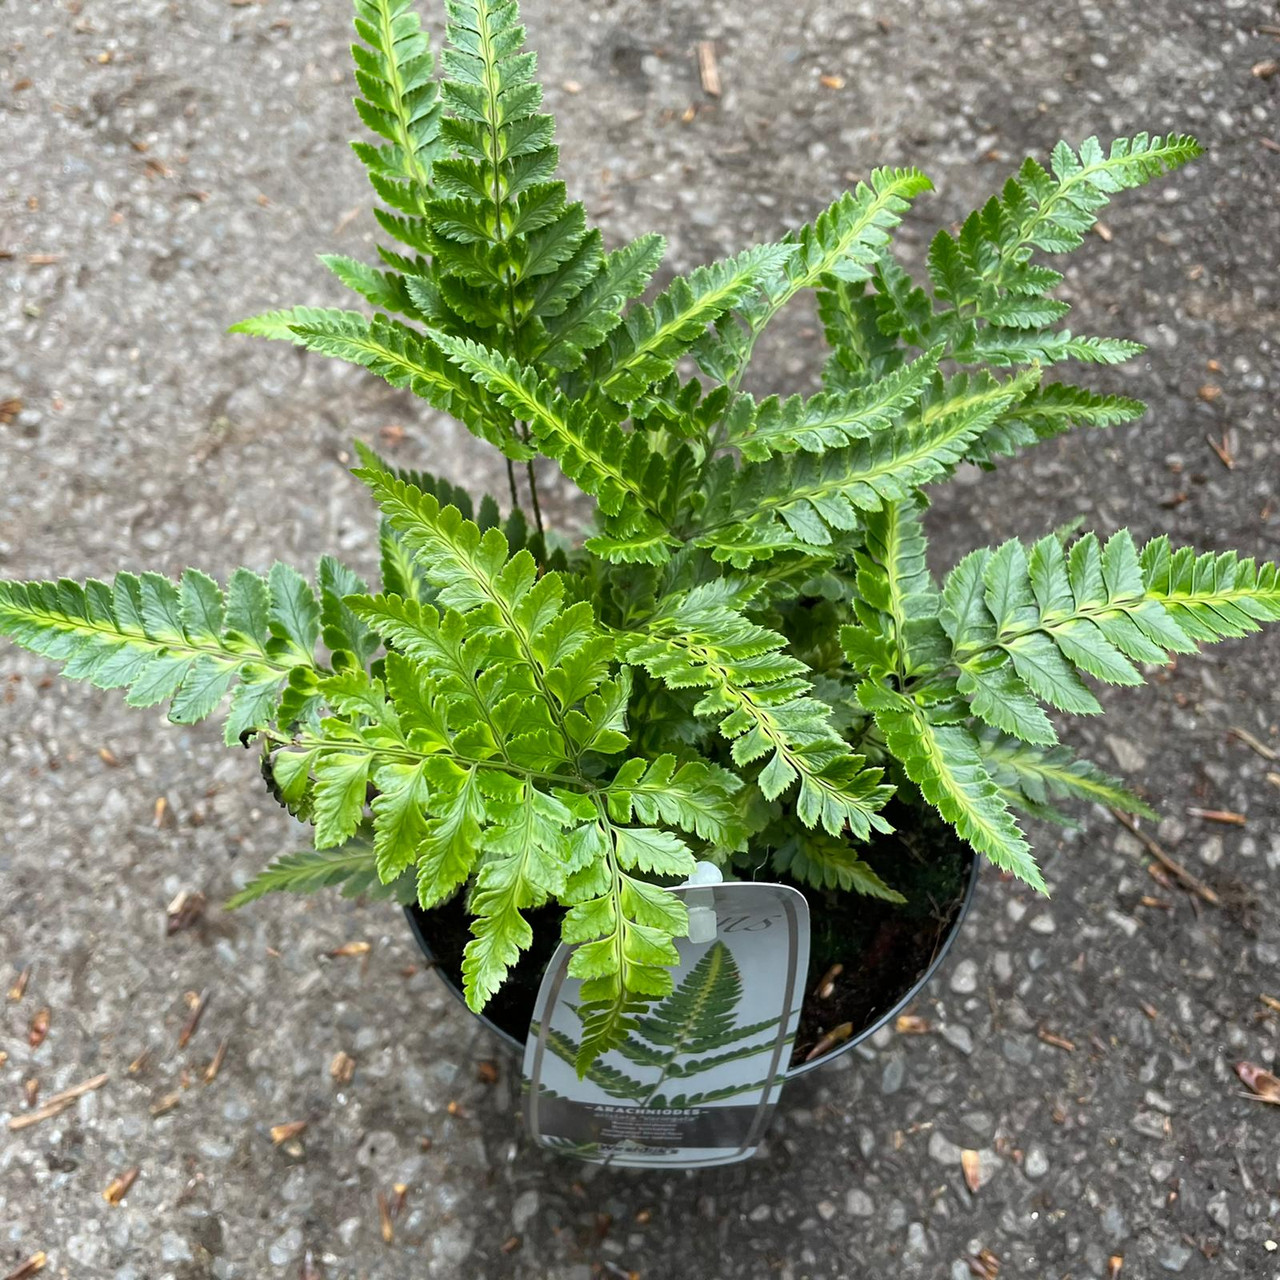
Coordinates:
x,y
425,925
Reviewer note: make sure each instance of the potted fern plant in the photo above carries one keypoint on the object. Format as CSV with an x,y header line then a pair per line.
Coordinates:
x,y
744,659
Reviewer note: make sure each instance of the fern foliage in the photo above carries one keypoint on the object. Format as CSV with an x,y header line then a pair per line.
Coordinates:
x,y
737,646
186,643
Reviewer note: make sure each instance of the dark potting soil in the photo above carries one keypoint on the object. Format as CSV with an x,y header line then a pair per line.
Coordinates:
x,y
884,948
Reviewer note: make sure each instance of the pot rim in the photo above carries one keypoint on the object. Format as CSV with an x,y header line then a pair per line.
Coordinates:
x,y
414,915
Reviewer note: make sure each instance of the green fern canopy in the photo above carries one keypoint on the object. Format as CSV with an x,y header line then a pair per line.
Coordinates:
x,y
744,651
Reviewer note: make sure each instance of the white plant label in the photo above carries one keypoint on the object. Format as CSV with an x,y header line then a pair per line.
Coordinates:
x,y
698,1079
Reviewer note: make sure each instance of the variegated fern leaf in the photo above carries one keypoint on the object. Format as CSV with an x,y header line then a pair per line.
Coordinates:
x,y
747,649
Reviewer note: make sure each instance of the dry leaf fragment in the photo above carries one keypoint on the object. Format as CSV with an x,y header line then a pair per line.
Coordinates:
x,y
1189,881
1271,1002
984,1265
1266,752
384,1220
39,1028
58,1102
1226,454
9,410
184,911
1058,1042
837,1035
352,949
831,82
29,1268
215,1063
196,1003
971,1166
1264,70
19,988
109,757
342,1068
689,114
283,1132
510,1244
1274,779
31,1090
1149,1009
119,1186
140,1063
159,811
487,1071
43,259
4,1057
911,1024
1225,816
827,984
708,71
166,1104
1260,1082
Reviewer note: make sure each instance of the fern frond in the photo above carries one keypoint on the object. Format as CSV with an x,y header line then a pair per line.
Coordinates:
x,y
352,867
830,420
812,495
619,470
507,248
824,862
399,102
1027,625
760,697
1049,411
186,642
845,240
651,339
944,761
1033,777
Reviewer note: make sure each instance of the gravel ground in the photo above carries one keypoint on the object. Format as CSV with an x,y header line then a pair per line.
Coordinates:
x,y
166,169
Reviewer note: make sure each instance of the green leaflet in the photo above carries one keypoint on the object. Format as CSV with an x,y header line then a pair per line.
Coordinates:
x,y
694,797
406,359
399,102
186,642
594,313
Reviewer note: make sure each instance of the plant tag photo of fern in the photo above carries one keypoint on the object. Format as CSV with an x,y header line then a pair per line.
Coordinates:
x,y
698,1076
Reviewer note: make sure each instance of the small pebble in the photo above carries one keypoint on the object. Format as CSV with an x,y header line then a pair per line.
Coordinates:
x,y
964,978
858,1204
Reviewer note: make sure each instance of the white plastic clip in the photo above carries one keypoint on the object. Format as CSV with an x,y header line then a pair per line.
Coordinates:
x,y
702,902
